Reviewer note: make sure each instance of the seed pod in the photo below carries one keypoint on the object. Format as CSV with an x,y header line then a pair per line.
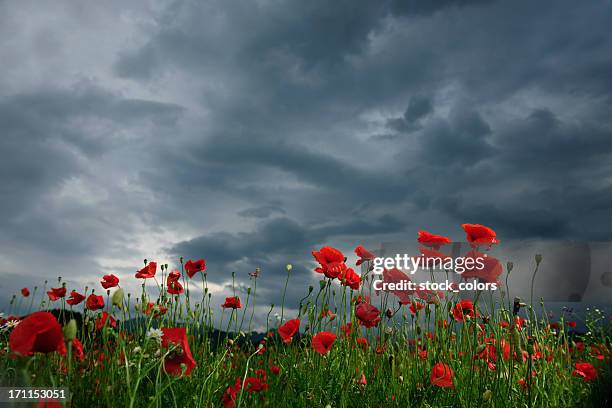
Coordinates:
x,y
70,330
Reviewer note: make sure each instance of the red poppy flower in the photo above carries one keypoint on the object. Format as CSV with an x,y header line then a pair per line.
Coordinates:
x,y
585,370
25,292
193,267
148,271
442,376
395,276
181,355
229,396
109,281
350,278
346,329
480,235
489,273
362,342
77,349
368,315
364,255
94,302
103,319
432,240
464,309
331,262
38,333
174,286
362,380
160,310
571,324
323,341
415,307
288,330
232,302
274,369
254,384
56,293
75,298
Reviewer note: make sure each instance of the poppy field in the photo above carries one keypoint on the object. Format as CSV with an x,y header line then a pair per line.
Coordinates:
x,y
348,346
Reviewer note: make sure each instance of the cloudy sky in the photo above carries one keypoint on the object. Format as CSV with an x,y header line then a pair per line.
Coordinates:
x,y
250,132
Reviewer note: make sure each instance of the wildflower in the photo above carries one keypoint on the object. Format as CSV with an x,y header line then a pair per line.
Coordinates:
x,y
431,240
368,315
585,370
288,330
229,396
109,281
274,369
350,278
174,286
331,262
232,302
323,341
571,324
362,342
158,310
39,332
148,271
442,376
25,292
463,310
56,293
415,307
77,349
255,274
103,319
180,358
155,334
363,254
362,380
94,302
480,235
75,298
193,267
254,384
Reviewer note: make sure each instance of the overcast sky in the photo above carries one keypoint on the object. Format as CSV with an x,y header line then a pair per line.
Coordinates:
x,y
250,132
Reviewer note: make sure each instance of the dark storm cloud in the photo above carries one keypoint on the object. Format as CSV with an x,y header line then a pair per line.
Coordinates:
x,y
251,133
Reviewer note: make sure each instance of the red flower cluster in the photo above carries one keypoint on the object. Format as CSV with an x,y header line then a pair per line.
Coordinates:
x,y
332,265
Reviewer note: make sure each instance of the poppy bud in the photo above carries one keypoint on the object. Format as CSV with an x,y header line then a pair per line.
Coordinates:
x,y
322,284
181,260
509,266
70,330
487,395
538,258
117,298
310,289
389,313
